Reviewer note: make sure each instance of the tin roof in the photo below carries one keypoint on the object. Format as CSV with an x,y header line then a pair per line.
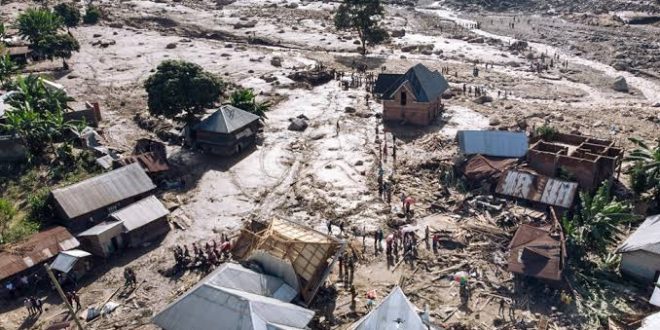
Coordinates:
x,y
226,120
537,188
646,237
35,250
535,252
150,161
103,190
493,143
100,228
65,260
394,312
385,81
140,213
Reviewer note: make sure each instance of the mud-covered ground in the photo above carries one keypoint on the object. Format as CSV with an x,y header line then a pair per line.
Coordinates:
x,y
320,174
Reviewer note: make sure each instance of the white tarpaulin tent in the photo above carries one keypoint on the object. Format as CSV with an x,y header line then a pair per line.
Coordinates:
x,y
234,297
394,312
67,259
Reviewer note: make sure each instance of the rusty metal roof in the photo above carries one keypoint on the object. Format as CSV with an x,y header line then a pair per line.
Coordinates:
x,y
537,188
150,161
103,190
38,248
536,252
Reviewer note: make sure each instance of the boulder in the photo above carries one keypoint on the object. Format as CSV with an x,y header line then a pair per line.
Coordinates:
x,y
171,45
494,121
349,110
398,33
276,61
298,125
620,84
483,99
242,25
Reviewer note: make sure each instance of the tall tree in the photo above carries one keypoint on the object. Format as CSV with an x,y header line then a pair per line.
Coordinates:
x,y
246,100
180,90
69,13
53,46
33,24
364,17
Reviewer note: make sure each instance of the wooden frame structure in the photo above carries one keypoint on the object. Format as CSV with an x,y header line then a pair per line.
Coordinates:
x,y
310,252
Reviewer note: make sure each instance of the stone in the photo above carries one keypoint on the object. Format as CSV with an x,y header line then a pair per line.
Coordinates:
x,y
96,35
656,105
171,45
107,42
398,33
298,125
494,121
359,163
242,25
620,84
349,110
276,61
483,99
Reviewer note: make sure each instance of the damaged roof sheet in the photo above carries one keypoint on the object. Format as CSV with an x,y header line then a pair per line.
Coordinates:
x,y
103,190
537,188
35,250
394,312
493,143
535,252
646,237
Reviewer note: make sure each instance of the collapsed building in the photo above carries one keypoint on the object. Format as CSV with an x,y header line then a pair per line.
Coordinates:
x,y
537,252
588,160
302,256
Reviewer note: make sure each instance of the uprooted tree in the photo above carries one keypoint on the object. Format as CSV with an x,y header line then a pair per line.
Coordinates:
x,y
180,90
363,17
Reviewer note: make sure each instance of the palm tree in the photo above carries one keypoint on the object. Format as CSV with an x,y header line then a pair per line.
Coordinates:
x,y
33,91
7,68
246,100
646,171
34,24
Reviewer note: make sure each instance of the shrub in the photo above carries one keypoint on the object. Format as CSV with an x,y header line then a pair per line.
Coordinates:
x,y
92,15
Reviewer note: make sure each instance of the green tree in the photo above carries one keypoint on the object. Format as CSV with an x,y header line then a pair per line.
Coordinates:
x,y
645,174
92,15
34,24
181,89
246,100
32,90
53,46
596,222
7,69
69,13
7,214
364,17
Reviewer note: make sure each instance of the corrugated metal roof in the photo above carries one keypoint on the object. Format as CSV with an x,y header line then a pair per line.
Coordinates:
x,y
493,143
103,190
393,313
534,252
646,237
211,303
141,213
226,120
65,260
537,188
35,250
100,228
385,81
234,276
426,84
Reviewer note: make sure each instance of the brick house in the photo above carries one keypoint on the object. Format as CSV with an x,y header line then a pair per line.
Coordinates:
x,y
414,97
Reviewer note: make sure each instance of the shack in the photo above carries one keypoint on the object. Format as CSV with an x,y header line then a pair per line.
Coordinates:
x,y
132,226
640,253
25,258
73,263
89,202
237,296
537,252
414,97
310,253
394,312
227,131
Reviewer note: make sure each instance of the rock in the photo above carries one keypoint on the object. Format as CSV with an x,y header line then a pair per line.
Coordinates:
x,y
317,136
483,99
522,123
494,121
291,5
508,107
171,45
398,33
298,125
620,84
276,61
116,25
408,49
359,163
598,124
314,77
349,110
356,42
96,35
107,42
242,25
656,105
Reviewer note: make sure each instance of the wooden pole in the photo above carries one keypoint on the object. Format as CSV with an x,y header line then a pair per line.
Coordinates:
x,y
61,293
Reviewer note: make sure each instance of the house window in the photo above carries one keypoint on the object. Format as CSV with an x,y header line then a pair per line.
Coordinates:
x,y
404,98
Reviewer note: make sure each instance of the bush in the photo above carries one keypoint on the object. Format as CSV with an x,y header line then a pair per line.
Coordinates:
x,y
638,178
92,15
39,210
546,132
69,13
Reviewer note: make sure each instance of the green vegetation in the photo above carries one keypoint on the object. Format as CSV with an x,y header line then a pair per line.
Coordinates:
x,y
363,17
645,174
7,69
246,100
181,90
56,46
69,13
7,214
546,132
42,28
92,15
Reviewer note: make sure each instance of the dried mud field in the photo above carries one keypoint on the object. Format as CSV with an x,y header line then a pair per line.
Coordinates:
x,y
320,174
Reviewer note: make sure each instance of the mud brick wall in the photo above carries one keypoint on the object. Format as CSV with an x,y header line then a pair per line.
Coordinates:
x,y
417,113
542,162
583,170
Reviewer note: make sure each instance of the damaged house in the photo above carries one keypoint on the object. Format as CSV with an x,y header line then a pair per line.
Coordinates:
x,y
640,253
589,161
86,203
132,226
537,188
300,255
537,252
394,312
235,297
227,131
414,97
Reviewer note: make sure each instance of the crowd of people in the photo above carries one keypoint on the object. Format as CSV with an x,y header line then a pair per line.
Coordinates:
x,y
210,255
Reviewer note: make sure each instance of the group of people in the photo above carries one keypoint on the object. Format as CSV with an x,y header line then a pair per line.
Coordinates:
x,y
211,254
347,261
130,279
71,297
33,305
404,241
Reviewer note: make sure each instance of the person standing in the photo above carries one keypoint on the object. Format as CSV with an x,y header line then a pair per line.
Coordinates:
x,y
76,298
329,224
427,233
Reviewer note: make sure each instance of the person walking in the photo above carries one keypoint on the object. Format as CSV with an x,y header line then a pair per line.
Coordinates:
x,y
28,305
76,298
427,233
341,227
337,127
329,224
